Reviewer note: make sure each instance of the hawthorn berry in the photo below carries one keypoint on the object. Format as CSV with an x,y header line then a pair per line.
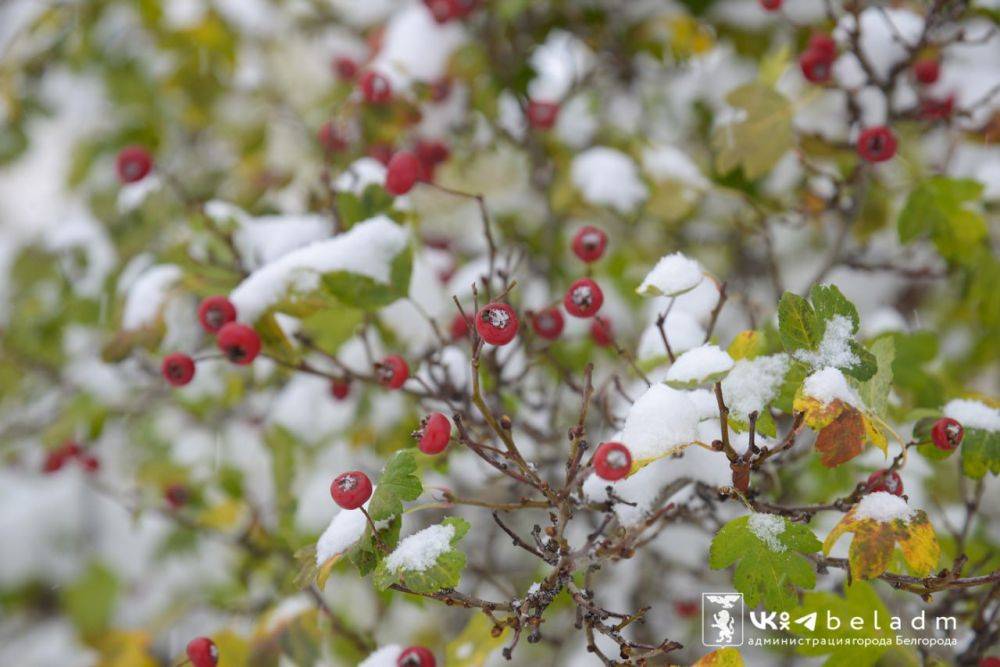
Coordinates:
x,y
816,65
340,388
345,68
416,656
176,495
601,331
612,461
133,164
375,88
877,144
548,323
202,652
90,462
434,433
589,243
431,152
351,490
989,661
770,5
542,115
497,323
214,312
239,343
885,480
947,434
583,298
932,108
686,608
381,152
927,70
440,9
59,457
402,173
392,371
459,327
824,43
177,369
462,8
331,140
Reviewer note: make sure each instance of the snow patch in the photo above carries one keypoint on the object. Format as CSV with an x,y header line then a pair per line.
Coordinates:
x,y
882,506
768,528
674,274
146,296
973,414
607,177
659,420
828,385
344,530
387,656
699,364
835,348
421,550
753,383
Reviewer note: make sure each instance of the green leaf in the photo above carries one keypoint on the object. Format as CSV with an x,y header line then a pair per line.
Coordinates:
x,y
765,573
828,302
90,600
396,484
798,325
847,645
980,452
361,291
761,137
939,208
445,572
875,391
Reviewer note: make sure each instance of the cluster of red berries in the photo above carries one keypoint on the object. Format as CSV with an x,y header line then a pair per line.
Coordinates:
x,y
946,435
202,652
238,342
68,452
406,168
133,164
816,61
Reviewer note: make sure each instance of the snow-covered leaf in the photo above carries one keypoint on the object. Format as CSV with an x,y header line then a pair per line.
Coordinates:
x,y
427,561
673,275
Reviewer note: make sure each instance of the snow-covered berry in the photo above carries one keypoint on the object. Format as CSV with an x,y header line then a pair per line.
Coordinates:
x,y
548,323
375,88
589,243
601,331
583,298
330,138
340,388
542,115
877,144
202,652
816,65
947,434
416,656
178,369
612,461
885,480
392,371
215,312
497,323
239,343
345,68
434,433
133,164
351,490
927,70
402,173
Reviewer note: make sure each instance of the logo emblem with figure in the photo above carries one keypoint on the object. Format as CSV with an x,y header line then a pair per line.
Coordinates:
x,y
722,619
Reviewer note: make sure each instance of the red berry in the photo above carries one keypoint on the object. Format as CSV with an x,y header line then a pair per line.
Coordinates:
x,y
381,152
462,8
54,461
176,495
947,434
815,65
877,144
439,9
330,139
345,68
351,490
416,656
589,243
375,88
90,462
686,608
548,323
202,652
612,461
239,343
927,70
824,43
459,327
392,371
340,388
542,115
177,368
216,312
133,164
402,173
990,661
583,298
434,434
431,151
770,5
497,323
601,331
937,108
885,480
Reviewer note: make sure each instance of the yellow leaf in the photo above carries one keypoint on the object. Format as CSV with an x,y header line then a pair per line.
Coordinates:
x,y
746,345
475,644
872,547
223,515
234,650
920,546
724,657
875,436
817,414
124,648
